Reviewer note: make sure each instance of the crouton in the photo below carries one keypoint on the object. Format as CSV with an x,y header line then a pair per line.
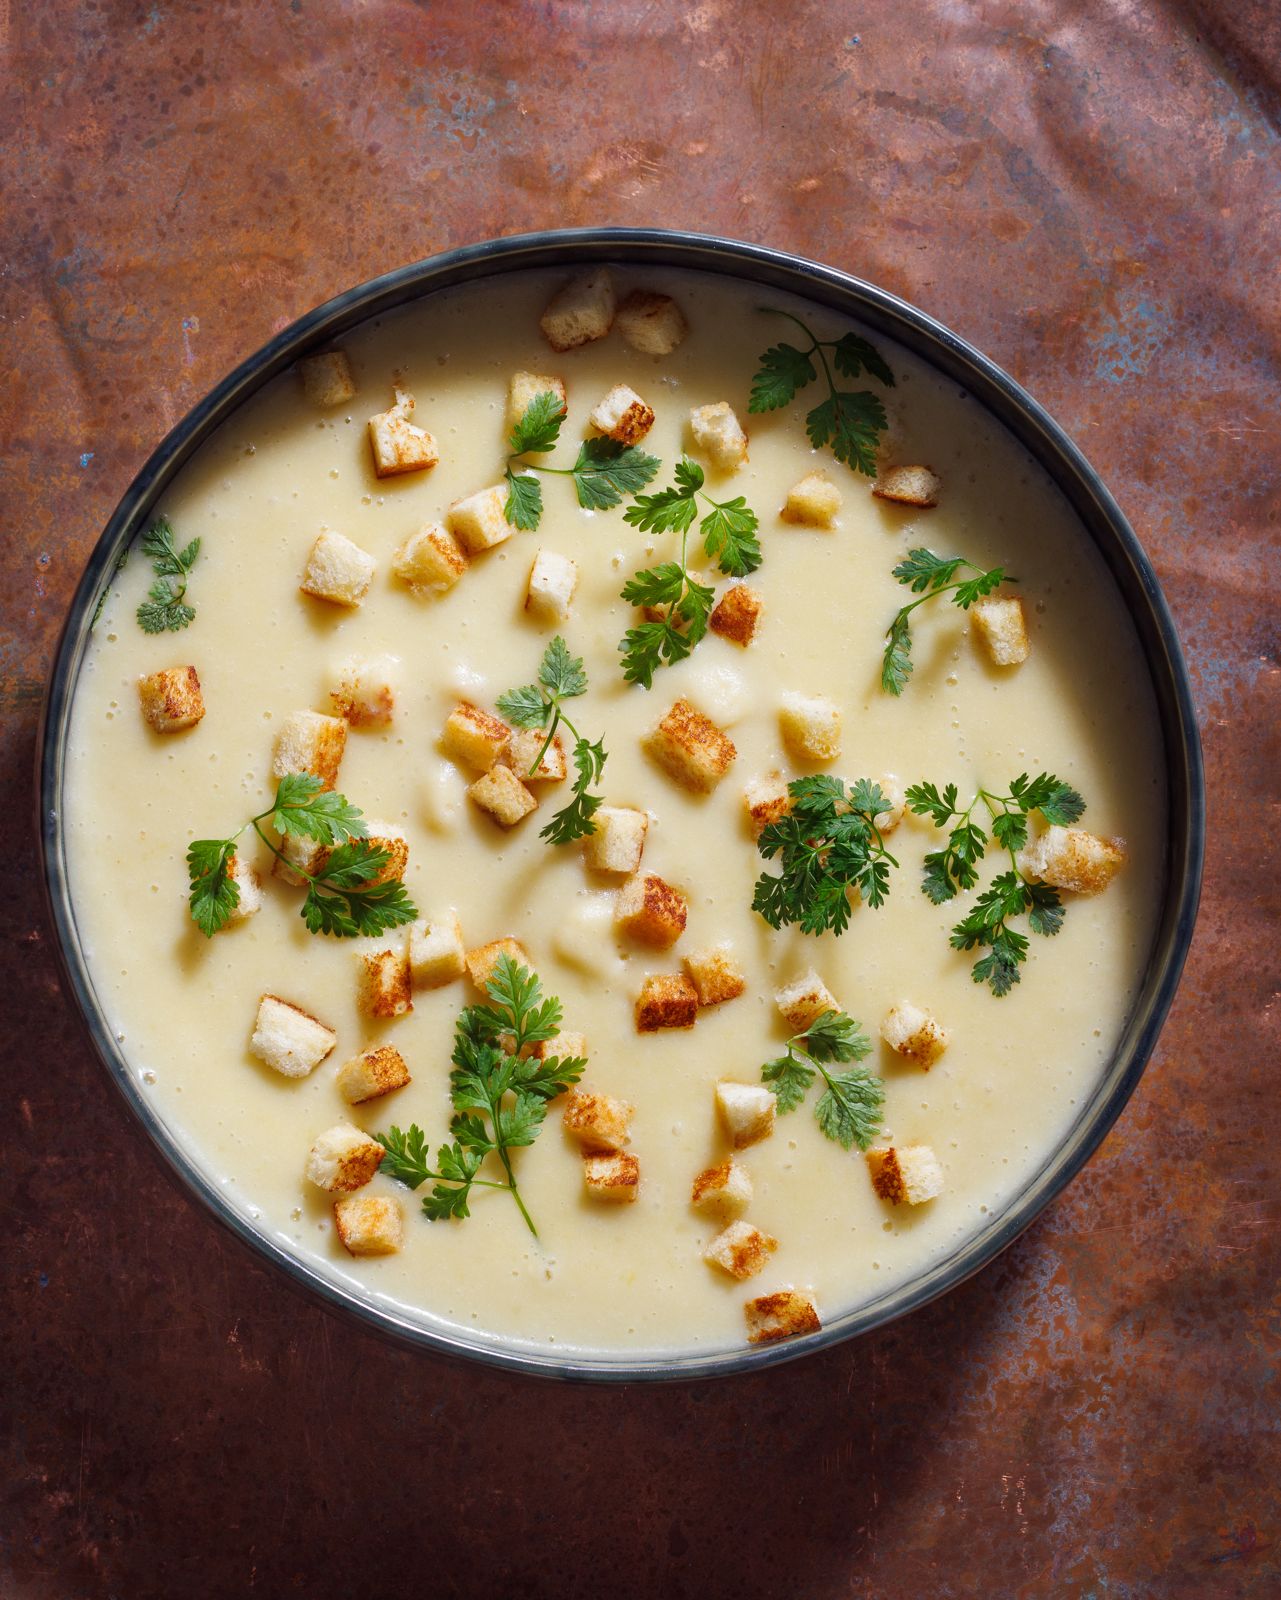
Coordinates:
x,y
307,741
622,415
811,726
524,389
718,434
373,1073
436,952
1073,859
398,445
804,999
343,1158
523,750
171,699
767,800
740,1249
583,310
384,987
597,1121
736,614
369,1224
813,502
617,839
481,961
690,748
747,1111
564,1047
363,692
288,1039
998,621
501,795
298,856
915,1035
651,323
715,974
651,911
248,883
909,486
782,1315
910,1174
892,789
382,836
666,1000
722,1191
430,561
478,520
552,581
327,378
473,737
614,1178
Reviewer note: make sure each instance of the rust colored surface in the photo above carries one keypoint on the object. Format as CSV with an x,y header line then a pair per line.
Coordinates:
x,y
1089,191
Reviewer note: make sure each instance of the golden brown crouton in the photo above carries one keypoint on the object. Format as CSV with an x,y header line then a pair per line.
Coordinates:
x,y
651,323
583,310
715,975
484,958
722,1191
479,521
502,795
372,1074
327,378
666,1000
782,1315
363,692
306,741
998,620
369,1224
298,857
552,581
622,415
813,502
747,1111
430,561
892,789
651,911
524,389
249,884
617,839
289,1039
908,1175
526,746
718,435
741,1250
597,1121
338,571
1073,859
171,699
690,748
436,954
804,999
909,486
474,737
614,1177
767,800
811,726
343,1158
736,614
564,1047
915,1035
398,446
385,988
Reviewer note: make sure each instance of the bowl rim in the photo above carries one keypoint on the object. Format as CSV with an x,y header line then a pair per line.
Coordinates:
x,y
984,381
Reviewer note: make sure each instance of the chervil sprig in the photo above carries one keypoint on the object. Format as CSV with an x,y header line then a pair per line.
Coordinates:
x,y
165,608
499,1094
849,422
1011,894
827,845
561,677
343,897
929,575
604,472
686,607
728,529
849,1109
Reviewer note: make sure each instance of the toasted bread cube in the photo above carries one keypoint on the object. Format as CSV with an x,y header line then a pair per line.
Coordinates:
x,y
622,415
736,614
369,1224
718,434
811,726
382,836
740,1249
249,884
782,1315
473,737
306,741
998,620
436,952
747,1112
523,750
398,445
804,999
501,795
614,1178
651,323
373,1073
909,486
524,389
908,1175
430,561
483,959
289,1039
617,840
384,987
327,378
915,1035
666,1000
767,800
1072,858
722,1191
892,789
299,853
582,311
552,581
715,974
171,699
363,692
478,522
597,1121
564,1047
690,748
813,502
343,1158
651,911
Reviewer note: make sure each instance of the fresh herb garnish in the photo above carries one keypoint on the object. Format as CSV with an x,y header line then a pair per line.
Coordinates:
x,y
499,1095
165,608
850,422
341,898
849,1109
1010,894
928,575
827,844
561,677
728,529
604,473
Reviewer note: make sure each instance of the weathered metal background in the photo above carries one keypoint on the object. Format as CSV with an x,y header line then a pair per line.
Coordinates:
x,y
1089,191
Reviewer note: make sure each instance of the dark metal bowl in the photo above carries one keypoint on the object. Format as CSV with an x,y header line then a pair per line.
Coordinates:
x,y
1039,434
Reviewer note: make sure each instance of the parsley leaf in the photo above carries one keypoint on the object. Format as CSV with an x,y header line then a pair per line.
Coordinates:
x,y
214,894
164,609
849,1109
783,371
604,472
561,677
728,529
538,427
926,575
670,637
523,507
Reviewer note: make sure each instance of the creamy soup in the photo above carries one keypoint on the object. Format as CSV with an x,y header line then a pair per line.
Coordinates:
x,y
610,1278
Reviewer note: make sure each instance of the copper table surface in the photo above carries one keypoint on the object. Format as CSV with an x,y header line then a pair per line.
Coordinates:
x,y
1087,191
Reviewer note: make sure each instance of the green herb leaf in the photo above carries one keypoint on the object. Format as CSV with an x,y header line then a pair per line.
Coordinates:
x,y
849,1109
165,609
826,846
926,575
729,537
606,471
783,371
852,355
561,677
214,895
523,507
851,425
538,427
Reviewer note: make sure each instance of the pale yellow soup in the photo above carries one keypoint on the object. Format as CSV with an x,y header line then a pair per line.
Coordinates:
x,y
599,1278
